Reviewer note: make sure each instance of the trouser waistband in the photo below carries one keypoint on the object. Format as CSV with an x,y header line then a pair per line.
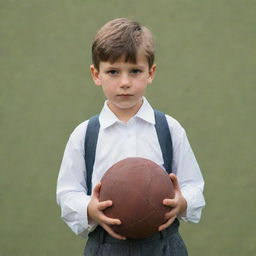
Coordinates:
x,y
102,236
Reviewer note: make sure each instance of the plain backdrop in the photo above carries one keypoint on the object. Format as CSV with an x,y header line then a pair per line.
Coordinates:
x,y
206,60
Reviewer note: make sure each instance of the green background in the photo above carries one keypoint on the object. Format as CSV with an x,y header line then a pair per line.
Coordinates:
x,y
206,60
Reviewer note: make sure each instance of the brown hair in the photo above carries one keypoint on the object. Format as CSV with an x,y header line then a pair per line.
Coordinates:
x,y
122,37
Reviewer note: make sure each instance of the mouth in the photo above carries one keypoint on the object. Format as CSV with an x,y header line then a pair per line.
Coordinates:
x,y
124,95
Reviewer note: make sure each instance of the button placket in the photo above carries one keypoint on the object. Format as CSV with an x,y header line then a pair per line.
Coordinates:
x,y
130,139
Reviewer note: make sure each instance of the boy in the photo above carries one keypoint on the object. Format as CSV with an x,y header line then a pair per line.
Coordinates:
x,y
123,65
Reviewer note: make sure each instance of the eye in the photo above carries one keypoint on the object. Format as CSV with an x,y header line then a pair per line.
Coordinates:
x,y
112,72
136,71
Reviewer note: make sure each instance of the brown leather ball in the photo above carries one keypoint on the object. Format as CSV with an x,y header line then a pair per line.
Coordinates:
x,y
137,187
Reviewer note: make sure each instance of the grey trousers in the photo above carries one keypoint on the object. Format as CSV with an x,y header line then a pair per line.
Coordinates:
x,y
165,243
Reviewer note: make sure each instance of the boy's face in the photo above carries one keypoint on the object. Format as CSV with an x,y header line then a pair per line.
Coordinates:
x,y
124,83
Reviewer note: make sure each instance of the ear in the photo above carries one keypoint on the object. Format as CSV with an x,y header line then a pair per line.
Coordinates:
x,y
152,72
95,75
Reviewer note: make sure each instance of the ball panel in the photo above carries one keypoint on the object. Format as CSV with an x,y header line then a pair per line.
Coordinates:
x,y
156,195
139,229
121,208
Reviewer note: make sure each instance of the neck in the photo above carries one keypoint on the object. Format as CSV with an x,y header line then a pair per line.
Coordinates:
x,y
125,114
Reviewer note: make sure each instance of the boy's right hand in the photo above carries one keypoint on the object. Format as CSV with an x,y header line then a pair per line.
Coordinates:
x,y
95,212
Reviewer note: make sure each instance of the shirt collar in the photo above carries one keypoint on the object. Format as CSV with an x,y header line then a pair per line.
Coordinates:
x,y
108,118
146,112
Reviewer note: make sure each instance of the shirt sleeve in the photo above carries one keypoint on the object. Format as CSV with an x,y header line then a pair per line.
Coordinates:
x,y
188,173
71,184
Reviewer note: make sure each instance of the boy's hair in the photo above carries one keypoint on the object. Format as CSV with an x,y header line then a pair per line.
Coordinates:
x,y
122,37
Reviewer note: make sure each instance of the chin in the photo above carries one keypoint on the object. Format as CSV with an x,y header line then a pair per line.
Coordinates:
x,y
128,104
125,106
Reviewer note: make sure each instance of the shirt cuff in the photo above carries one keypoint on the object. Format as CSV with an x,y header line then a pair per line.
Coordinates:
x,y
91,227
195,204
74,212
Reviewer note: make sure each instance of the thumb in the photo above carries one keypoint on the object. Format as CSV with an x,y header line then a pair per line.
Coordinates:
x,y
96,191
174,181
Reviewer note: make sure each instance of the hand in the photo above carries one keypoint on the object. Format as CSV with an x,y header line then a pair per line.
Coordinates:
x,y
95,212
178,204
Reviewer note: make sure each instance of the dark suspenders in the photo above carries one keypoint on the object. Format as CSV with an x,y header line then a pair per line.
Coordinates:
x,y
91,138
90,143
165,139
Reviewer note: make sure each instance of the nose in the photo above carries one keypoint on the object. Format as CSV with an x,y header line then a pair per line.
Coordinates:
x,y
125,81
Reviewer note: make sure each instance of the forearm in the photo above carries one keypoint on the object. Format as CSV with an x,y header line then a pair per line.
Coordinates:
x,y
71,184
190,178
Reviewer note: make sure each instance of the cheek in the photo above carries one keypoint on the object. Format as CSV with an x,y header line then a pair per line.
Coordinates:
x,y
143,81
142,86
108,90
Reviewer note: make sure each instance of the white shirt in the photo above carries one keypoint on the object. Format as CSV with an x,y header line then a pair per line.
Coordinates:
x,y
118,140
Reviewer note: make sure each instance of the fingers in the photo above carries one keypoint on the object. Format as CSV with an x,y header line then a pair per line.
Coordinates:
x,y
102,217
170,202
99,207
112,233
167,224
108,221
171,214
99,215
104,204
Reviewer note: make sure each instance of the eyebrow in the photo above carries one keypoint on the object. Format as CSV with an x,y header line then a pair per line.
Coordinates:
x,y
138,66
132,66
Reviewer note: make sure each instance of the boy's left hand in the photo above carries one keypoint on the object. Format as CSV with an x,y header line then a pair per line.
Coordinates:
x,y
178,204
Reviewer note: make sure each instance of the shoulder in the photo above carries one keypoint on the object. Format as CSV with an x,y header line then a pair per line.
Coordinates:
x,y
174,125
77,136
80,129
177,131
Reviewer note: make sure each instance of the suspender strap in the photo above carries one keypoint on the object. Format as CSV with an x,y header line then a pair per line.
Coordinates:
x,y
91,138
164,138
90,144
